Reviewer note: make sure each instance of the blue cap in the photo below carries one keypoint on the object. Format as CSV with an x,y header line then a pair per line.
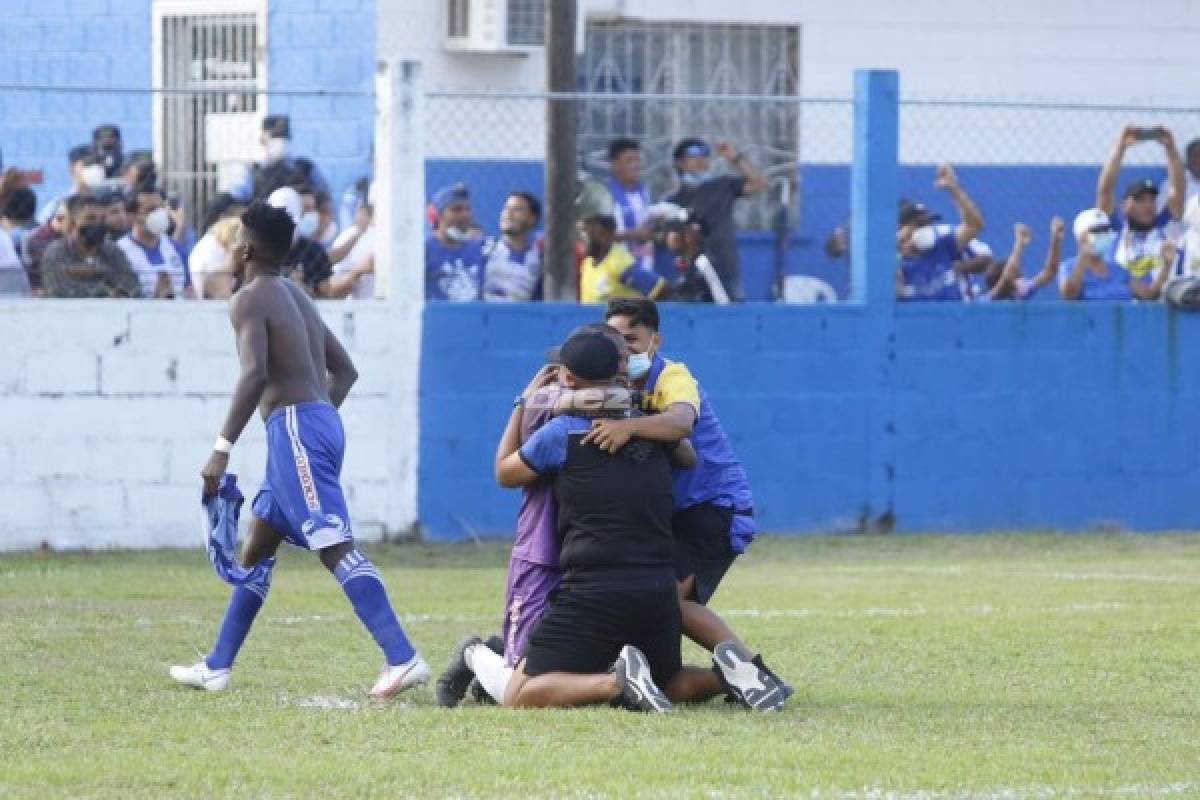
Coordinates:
x,y
454,193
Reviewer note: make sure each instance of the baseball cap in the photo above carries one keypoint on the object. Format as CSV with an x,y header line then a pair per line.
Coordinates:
x,y
691,147
590,355
277,126
911,213
554,354
289,200
1093,220
1141,187
454,193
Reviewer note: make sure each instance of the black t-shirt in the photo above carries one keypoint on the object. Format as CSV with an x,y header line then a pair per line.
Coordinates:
x,y
614,511
713,201
308,263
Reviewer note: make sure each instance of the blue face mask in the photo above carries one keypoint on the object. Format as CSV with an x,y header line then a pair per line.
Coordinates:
x,y
1099,243
639,365
695,178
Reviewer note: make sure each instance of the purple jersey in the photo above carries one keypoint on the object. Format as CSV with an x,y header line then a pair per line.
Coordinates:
x,y
536,540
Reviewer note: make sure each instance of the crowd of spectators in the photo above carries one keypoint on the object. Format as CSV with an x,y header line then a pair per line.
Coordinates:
x,y
117,233
1131,250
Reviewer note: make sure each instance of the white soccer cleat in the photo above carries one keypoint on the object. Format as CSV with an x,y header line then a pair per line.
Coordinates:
x,y
394,680
199,676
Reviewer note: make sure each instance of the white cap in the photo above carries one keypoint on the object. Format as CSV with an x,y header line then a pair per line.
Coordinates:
x,y
289,200
1090,220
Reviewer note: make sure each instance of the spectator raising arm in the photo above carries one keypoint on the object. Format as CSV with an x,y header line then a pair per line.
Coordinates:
x,y
1106,186
1053,255
755,181
1007,284
971,221
1176,178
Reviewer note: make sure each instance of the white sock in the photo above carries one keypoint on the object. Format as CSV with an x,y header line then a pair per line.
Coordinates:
x,y
489,669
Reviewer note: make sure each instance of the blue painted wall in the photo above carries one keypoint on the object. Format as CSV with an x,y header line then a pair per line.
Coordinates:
x,y
312,44
71,43
325,44
1003,416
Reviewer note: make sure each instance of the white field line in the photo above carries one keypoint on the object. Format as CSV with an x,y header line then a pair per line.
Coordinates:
x,y
921,611
959,571
1012,792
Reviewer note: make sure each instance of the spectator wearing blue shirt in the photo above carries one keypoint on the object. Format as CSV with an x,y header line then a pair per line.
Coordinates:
x,y
631,200
927,252
1094,274
454,270
513,266
1140,227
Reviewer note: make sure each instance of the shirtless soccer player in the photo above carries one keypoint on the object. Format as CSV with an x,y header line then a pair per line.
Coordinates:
x,y
297,374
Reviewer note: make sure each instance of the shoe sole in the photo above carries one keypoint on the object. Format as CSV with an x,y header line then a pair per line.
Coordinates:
x,y
637,678
402,684
734,663
458,662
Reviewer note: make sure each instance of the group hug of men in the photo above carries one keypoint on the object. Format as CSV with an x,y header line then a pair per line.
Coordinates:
x,y
634,507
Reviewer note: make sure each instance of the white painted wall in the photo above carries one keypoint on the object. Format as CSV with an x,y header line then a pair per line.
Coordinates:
x,y
1066,51
1108,51
108,410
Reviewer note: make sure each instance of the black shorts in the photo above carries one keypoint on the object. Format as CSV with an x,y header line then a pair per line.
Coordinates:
x,y
583,631
702,547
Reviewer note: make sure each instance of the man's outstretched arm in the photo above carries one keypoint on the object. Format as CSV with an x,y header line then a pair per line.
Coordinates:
x,y
342,374
250,328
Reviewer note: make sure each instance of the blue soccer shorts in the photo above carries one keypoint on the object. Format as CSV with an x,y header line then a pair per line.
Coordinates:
x,y
301,497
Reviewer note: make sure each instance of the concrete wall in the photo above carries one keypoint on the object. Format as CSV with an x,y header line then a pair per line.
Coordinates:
x,y
311,44
325,44
65,43
108,410
978,417
1071,49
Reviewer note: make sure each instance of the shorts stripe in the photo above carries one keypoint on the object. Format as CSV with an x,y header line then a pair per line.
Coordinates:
x,y
308,486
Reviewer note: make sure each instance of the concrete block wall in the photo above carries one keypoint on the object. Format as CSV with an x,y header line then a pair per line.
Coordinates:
x,y
1000,417
71,43
330,45
108,410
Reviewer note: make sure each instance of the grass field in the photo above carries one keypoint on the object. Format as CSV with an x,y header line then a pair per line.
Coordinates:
x,y
925,667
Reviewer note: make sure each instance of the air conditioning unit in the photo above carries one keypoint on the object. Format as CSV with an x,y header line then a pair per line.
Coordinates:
x,y
515,27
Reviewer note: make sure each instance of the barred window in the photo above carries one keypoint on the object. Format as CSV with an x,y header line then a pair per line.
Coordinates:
x,y
526,22
695,78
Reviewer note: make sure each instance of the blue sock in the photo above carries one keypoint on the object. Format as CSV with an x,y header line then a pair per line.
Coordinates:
x,y
239,616
362,584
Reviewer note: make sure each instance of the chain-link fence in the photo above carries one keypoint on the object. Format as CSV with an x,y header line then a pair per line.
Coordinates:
x,y
1025,162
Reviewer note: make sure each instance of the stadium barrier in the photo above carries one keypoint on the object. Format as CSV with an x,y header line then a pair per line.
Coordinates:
x,y
857,416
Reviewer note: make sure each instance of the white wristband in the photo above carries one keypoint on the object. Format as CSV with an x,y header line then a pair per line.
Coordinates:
x,y
223,445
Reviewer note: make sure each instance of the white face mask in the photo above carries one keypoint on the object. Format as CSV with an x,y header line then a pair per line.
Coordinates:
x,y
276,149
923,238
158,221
456,234
94,176
639,365
307,225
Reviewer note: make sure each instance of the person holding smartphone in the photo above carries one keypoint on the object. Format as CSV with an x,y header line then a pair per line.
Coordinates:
x,y
1141,229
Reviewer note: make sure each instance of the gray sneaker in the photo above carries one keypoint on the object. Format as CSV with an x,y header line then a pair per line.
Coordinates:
x,y
632,671
754,686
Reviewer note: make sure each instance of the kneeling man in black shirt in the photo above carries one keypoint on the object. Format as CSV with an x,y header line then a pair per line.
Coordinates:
x,y
611,632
